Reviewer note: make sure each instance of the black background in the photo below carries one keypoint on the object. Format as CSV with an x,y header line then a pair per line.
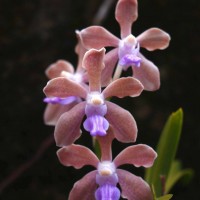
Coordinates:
x,y
36,33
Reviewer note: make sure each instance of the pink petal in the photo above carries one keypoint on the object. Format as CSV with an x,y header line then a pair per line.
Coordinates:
x,y
110,61
98,37
55,69
67,129
133,187
93,63
154,38
137,155
123,87
63,87
105,143
77,156
126,13
122,122
53,112
84,189
148,74
80,50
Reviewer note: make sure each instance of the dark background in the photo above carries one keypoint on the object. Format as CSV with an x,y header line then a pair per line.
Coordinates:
x,y
36,33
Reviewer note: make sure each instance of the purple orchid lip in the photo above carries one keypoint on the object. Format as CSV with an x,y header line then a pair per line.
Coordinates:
x,y
129,60
107,180
107,192
58,100
97,125
128,52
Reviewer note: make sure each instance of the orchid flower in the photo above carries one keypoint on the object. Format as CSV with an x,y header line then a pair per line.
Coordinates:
x,y
102,183
56,106
127,48
100,113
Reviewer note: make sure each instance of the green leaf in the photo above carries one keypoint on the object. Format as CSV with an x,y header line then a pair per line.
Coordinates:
x,y
153,191
165,197
176,174
166,150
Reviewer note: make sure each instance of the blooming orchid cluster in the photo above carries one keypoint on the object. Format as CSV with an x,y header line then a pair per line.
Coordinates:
x,y
82,97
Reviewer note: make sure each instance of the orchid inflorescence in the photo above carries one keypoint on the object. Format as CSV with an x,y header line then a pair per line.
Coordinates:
x,y
73,95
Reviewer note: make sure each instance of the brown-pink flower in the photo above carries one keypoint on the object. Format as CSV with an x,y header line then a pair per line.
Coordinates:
x,y
127,48
57,106
100,113
102,182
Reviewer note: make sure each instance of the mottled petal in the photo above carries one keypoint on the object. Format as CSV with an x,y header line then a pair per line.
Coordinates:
x,y
133,187
53,112
107,192
148,74
98,37
77,156
93,63
62,87
154,38
110,61
67,129
55,69
126,13
84,189
123,87
123,123
137,155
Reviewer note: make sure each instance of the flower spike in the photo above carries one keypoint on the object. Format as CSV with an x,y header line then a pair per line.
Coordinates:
x,y
81,98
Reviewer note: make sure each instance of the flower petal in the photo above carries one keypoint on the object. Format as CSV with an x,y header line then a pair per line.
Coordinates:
x,y
154,38
123,87
110,61
137,155
122,122
58,100
63,87
126,13
133,187
93,63
105,143
53,112
55,69
77,156
98,37
84,189
80,50
67,129
148,74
